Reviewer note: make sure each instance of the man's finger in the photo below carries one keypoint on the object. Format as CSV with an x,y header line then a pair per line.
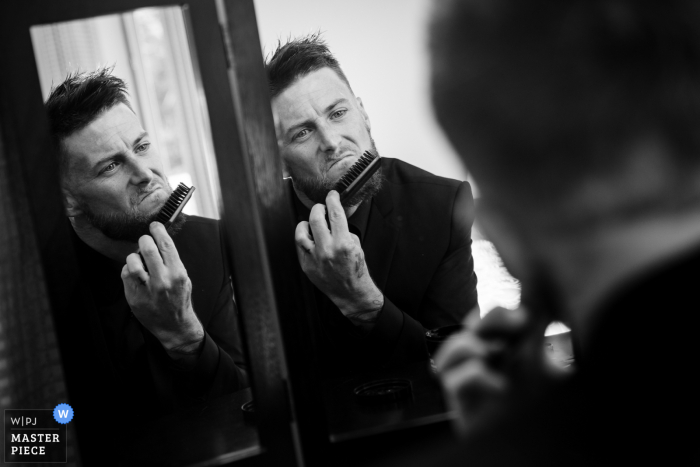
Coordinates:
x,y
151,256
319,227
336,214
134,268
131,281
303,238
472,381
165,243
459,349
473,392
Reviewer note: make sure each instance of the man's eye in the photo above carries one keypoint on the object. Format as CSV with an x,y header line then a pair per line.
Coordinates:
x,y
142,147
302,133
339,113
110,168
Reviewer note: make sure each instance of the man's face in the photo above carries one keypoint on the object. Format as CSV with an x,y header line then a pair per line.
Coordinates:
x,y
114,177
322,129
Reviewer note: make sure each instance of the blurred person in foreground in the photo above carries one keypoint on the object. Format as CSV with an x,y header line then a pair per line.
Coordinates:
x,y
396,258
579,122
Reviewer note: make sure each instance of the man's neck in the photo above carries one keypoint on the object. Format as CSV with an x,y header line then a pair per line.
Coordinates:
x,y
588,269
349,211
95,239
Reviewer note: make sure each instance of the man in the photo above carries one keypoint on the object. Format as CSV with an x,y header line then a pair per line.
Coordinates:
x,y
396,259
162,327
579,120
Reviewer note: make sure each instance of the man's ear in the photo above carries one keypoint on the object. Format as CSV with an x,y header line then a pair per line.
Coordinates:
x,y
364,113
71,203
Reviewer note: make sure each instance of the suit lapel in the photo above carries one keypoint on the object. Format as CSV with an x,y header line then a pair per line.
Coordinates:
x,y
381,237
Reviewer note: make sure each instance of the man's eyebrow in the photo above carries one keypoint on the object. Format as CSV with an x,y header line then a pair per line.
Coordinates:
x,y
139,138
309,122
336,102
119,155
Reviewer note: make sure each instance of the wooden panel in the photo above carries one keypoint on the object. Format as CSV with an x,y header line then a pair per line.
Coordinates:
x,y
277,227
241,217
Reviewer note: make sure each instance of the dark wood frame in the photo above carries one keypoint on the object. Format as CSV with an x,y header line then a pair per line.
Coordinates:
x,y
256,209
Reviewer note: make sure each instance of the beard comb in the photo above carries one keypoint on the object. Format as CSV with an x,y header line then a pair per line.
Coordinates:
x,y
357,175
174,205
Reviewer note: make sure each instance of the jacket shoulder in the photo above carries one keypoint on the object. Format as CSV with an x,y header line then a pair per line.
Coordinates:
x,y
416,194
399,172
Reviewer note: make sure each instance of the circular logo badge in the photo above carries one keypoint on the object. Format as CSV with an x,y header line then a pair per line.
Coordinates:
x,y
63,413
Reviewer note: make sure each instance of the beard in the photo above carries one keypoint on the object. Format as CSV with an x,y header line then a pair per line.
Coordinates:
x,y
127,226
317,188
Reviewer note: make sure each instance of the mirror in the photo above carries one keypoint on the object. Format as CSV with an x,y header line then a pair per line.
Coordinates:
x,y
146,397
386,66
404,247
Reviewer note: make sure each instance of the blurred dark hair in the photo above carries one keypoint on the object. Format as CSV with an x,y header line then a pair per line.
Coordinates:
x,y
297,58
79,100
539,96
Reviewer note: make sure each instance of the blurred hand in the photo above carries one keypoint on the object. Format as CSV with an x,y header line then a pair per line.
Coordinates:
x,y
492,365
335,263
160,297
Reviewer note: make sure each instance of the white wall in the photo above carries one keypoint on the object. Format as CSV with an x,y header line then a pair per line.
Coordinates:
x,y
382,47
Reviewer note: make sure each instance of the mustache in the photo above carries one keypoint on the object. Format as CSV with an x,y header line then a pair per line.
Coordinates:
x,y
337,154
332,158
156,183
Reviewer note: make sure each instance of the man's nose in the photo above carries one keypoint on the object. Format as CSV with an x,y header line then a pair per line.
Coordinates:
x,y
141,173
329,138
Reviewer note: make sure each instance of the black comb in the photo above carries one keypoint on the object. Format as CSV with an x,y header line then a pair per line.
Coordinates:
x,y
357,175
172,208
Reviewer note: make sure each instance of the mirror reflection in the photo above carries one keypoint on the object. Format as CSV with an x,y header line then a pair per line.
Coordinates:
x,y
160,340
391,261
410,278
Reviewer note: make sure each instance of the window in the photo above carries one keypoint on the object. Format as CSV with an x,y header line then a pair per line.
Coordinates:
x,y
149,51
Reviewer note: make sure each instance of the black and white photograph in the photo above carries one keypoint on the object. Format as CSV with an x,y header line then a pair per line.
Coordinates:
x,y
379,233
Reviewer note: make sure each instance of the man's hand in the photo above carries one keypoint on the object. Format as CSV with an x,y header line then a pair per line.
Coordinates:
x,y
487,367
335,263
161,297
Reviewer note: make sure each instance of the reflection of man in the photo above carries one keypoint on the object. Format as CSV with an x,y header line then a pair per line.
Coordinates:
x,y
579,120
166,331
397,257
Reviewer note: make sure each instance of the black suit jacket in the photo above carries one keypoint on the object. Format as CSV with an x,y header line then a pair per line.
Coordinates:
x,y
417,246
